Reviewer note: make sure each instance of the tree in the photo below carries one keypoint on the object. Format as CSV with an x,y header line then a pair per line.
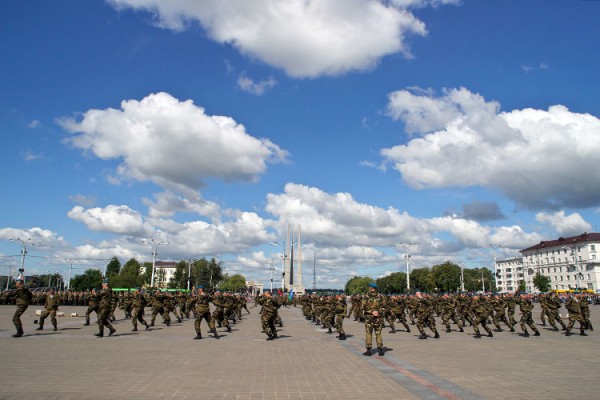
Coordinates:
x,y
91,278
358,284
234,283
541,282
113,267
207,273
147,275
392,283
522,286
179,280
446,276
129,276
422,279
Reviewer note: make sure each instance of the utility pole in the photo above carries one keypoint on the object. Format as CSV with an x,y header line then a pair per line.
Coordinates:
x,y
494,247
154,244
407,246
24,243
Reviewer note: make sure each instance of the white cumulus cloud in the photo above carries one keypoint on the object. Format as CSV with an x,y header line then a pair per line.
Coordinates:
x,y
304,38
173,143
538,158
115,219
565,225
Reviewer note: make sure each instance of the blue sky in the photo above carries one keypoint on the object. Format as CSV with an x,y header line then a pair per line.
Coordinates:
x,y
214,125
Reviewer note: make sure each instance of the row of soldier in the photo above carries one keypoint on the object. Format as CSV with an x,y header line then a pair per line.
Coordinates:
x,y
329,311
104,302
453,309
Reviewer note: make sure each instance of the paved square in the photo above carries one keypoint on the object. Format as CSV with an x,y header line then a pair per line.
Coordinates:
x,y
305,363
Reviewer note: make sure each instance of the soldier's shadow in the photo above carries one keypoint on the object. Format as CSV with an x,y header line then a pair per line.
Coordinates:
x,y
68,329
123,334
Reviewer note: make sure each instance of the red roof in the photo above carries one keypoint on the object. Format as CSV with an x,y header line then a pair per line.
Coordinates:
x,y
583,238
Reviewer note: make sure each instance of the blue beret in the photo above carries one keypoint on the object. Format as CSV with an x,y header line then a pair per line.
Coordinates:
x,y
200,287
373,285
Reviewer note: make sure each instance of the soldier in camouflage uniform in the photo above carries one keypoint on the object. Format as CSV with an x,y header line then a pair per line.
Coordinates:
x,y
573,306
424,314
544,308
92,306
267,318
341,308
373,311
553,306
585,311
526,308
51,307
105,307
499,313
479,314
23,298
448,308
202,312
158,307
219,314
138,303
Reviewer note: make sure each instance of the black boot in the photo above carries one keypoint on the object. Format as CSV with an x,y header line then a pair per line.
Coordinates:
x,y
329,330
198,336
112,330
99,334
87,323
477,335
19,333
526,334
147,327
537,333
437,335
582,333
40,328
380,351
228,328
342,336
55,328
270,337
134,329
367,352
490,334
393,330
422,336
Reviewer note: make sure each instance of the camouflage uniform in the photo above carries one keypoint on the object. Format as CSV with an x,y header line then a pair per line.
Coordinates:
x,y
203,313
269,311
526,308
341,308
138,303
574,307
51,306
373,311
22,297
105,307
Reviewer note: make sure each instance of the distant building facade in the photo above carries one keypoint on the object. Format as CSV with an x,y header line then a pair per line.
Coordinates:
x,y
570,263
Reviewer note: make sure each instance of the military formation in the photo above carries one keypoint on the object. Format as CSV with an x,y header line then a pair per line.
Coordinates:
x,y
481,312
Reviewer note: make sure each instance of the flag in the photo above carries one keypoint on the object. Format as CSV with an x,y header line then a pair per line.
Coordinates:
x,y
291,293
279,292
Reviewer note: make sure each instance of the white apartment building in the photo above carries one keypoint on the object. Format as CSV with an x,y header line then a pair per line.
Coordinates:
x,y
570,263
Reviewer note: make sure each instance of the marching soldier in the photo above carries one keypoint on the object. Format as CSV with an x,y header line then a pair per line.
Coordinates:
x,y
105,307
138,303
574,307
269,311
23,298
51,307
373,310
526,308
341,308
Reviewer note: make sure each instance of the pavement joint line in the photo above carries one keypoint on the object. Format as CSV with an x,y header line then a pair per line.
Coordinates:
x,y
423,384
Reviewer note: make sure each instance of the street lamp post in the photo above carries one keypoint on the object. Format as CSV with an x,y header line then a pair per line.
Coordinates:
x,y
24,243
406,246
282,264
494,247
154,244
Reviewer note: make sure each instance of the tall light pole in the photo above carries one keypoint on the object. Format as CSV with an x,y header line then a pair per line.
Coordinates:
x,y
494,247
282,264
462,279
407,246
154,244
24,243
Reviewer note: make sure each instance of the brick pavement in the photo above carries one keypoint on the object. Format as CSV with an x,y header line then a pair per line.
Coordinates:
x,y
305,363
